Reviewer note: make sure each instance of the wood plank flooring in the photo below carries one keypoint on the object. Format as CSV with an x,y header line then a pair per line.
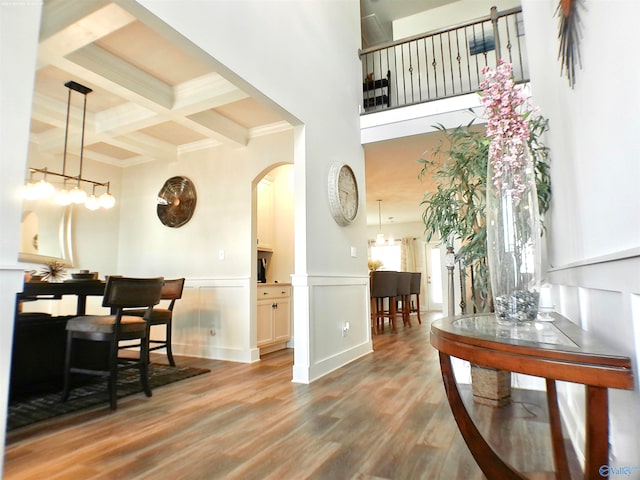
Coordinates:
x,y
384,416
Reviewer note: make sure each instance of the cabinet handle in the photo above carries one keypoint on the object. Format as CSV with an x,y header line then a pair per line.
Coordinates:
x,y
274,305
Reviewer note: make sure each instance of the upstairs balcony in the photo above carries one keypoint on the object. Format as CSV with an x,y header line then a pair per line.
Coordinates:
x,y
442,64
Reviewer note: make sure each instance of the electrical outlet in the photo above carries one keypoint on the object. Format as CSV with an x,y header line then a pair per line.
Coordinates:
x,y
345,329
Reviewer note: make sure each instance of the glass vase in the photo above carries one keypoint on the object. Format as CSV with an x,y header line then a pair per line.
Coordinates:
x,y
513,236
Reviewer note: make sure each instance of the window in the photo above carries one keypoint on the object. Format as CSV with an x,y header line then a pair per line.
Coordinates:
x,y
389,255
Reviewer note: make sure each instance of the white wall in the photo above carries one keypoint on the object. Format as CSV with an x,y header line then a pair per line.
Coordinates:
x,y
284,51
19,24
447,15
594,224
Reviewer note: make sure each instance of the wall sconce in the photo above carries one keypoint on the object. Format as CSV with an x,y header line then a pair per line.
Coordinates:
x,y
43,189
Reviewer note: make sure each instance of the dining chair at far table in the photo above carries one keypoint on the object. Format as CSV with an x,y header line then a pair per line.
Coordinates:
x,y
171,292
120,294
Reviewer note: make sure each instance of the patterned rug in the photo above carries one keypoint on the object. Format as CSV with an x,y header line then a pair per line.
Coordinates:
x,y
30,410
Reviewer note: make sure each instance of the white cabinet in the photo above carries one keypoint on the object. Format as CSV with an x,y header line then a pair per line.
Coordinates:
x,y
274,317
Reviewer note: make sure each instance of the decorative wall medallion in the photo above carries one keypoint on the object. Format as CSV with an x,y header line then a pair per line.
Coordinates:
x,y
569,34
176,201
343,194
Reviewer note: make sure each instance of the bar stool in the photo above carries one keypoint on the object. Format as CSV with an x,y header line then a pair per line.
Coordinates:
x,y
383,285
416,279
403,293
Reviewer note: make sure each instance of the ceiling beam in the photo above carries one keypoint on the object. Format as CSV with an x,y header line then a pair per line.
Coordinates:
x,y
70,25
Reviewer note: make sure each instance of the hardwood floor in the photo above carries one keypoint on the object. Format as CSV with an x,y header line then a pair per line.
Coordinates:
x,y
384,416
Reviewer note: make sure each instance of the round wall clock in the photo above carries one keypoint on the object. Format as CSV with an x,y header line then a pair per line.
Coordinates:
x,y
176,202
343,194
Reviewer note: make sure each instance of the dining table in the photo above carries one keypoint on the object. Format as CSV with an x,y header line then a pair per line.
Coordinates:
x,y
39,339
555,349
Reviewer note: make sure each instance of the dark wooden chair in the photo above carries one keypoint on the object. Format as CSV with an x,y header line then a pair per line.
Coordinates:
x,y
383,286
171,291
120,294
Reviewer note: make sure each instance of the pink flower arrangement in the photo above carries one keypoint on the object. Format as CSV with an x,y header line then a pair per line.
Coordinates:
x,y
507,110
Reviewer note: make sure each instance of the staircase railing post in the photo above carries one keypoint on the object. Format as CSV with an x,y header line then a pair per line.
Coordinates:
x,y
450,262
496,35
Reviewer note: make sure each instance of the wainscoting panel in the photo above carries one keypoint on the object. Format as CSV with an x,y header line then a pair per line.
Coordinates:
x,y
212,320
333,303
601,295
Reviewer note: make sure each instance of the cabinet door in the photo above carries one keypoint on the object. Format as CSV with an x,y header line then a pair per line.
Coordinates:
x,y
265,323
282,320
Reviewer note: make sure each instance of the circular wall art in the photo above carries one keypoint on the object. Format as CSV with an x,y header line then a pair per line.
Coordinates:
x,y
343,194
176,202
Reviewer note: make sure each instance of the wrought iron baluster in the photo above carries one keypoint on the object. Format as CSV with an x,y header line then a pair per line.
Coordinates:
x,y
435,66
410,71
444,74
453,82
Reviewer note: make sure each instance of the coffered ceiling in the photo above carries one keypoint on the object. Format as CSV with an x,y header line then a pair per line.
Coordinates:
x,y
155,95
153,92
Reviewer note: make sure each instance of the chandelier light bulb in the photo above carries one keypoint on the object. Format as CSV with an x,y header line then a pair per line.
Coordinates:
x,y
107,200
62,197
44,189
29,191
77,195
92,203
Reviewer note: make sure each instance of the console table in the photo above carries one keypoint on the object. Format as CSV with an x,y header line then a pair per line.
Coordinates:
x,y
558,350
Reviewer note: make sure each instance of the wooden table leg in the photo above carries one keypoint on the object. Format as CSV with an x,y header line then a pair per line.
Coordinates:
x,y
557,439
488,461
597,419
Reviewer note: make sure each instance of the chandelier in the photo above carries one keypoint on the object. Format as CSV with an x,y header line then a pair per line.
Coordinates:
x,y
74,194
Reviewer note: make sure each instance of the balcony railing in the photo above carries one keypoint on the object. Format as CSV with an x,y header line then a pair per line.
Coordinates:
x,y
444,63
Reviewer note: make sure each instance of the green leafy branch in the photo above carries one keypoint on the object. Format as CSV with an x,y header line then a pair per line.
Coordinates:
x,y
455,211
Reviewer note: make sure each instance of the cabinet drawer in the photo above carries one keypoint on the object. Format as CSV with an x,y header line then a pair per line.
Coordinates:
x,y
274,291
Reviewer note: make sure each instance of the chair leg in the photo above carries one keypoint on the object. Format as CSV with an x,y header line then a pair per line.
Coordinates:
x,y
374,315
67,369
144,371
406,318
169,351
418,307
113,374
392,313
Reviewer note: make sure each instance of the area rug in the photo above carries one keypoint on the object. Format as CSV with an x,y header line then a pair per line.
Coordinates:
x,y
34,409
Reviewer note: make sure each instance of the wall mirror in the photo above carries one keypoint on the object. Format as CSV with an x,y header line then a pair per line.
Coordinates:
x,y
45,233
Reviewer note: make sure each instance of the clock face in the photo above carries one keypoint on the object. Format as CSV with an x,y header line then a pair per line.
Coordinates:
x,y
343,194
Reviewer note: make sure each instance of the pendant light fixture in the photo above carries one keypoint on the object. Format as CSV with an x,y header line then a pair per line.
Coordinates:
x,y
380,235
76,195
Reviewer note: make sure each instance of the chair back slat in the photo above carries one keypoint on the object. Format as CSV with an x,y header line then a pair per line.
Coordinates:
x,y
172,289
403,284
383,284
126,292
415,282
